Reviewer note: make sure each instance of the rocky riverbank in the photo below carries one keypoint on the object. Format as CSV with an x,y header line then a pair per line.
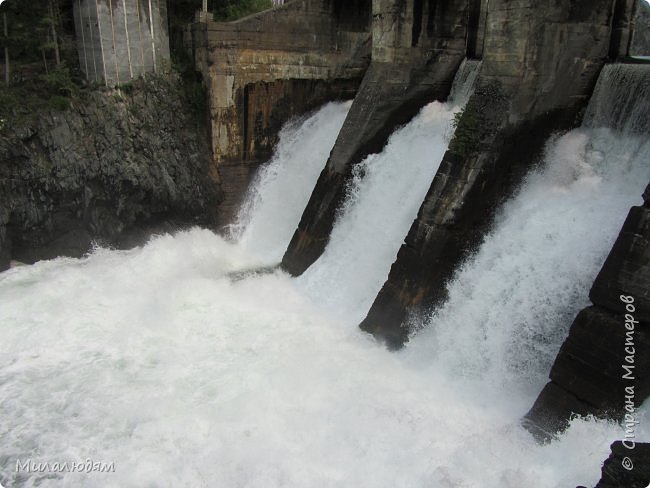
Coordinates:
x,y
108,166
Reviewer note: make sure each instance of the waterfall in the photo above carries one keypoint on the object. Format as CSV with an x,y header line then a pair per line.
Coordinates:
x,y
280,190
156,362
464,81
382,201
621,99
511,304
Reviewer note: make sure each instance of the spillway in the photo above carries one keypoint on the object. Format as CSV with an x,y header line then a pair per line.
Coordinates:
x,y
154,360
281,188
382,202
512,302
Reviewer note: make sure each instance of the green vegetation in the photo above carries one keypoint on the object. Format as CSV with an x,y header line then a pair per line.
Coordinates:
x,y
182,11
59,80
483,116
38,53
195,95
229,10
36,38
57,102
191,83
466,126
44,75
24,102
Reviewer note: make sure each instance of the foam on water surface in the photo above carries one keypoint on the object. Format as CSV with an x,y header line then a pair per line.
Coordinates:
x,y
181,377
180,367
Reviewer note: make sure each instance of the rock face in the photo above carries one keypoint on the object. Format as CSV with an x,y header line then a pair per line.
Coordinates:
x,y
603,367
416,49
626,468
109,168
264,69
540,64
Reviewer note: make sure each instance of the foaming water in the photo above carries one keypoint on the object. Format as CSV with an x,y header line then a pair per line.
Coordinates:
x,y
181,377
511,304
382,201
281,189
157,361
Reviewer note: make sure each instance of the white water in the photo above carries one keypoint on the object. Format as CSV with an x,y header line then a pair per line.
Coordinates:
x,y
621,99
510,306
382,202
281,189
155,360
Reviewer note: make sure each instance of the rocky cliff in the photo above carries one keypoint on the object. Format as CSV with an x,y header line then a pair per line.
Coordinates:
x,y
112,166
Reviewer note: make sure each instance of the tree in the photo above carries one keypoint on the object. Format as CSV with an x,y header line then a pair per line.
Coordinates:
x,y
6,37
33,33
226,10
54,20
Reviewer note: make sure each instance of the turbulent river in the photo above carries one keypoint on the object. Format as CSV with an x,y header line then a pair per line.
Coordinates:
x,y
182,366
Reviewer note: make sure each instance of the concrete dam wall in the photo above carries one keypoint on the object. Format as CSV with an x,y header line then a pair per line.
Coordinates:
x,y
264,69
540,65
119,40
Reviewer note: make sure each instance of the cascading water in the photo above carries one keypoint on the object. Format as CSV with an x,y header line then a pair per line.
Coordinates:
x,y
281,189
156,361
621,100
511,304
382,202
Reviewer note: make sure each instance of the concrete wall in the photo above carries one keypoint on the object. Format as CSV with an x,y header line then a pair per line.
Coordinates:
x,y
417,46
263,69
119,40
540,64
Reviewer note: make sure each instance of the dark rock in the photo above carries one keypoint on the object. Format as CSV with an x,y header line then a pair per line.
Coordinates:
x,y
590,361
627,268
551,413
626,468
5,248
640,45
110,165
